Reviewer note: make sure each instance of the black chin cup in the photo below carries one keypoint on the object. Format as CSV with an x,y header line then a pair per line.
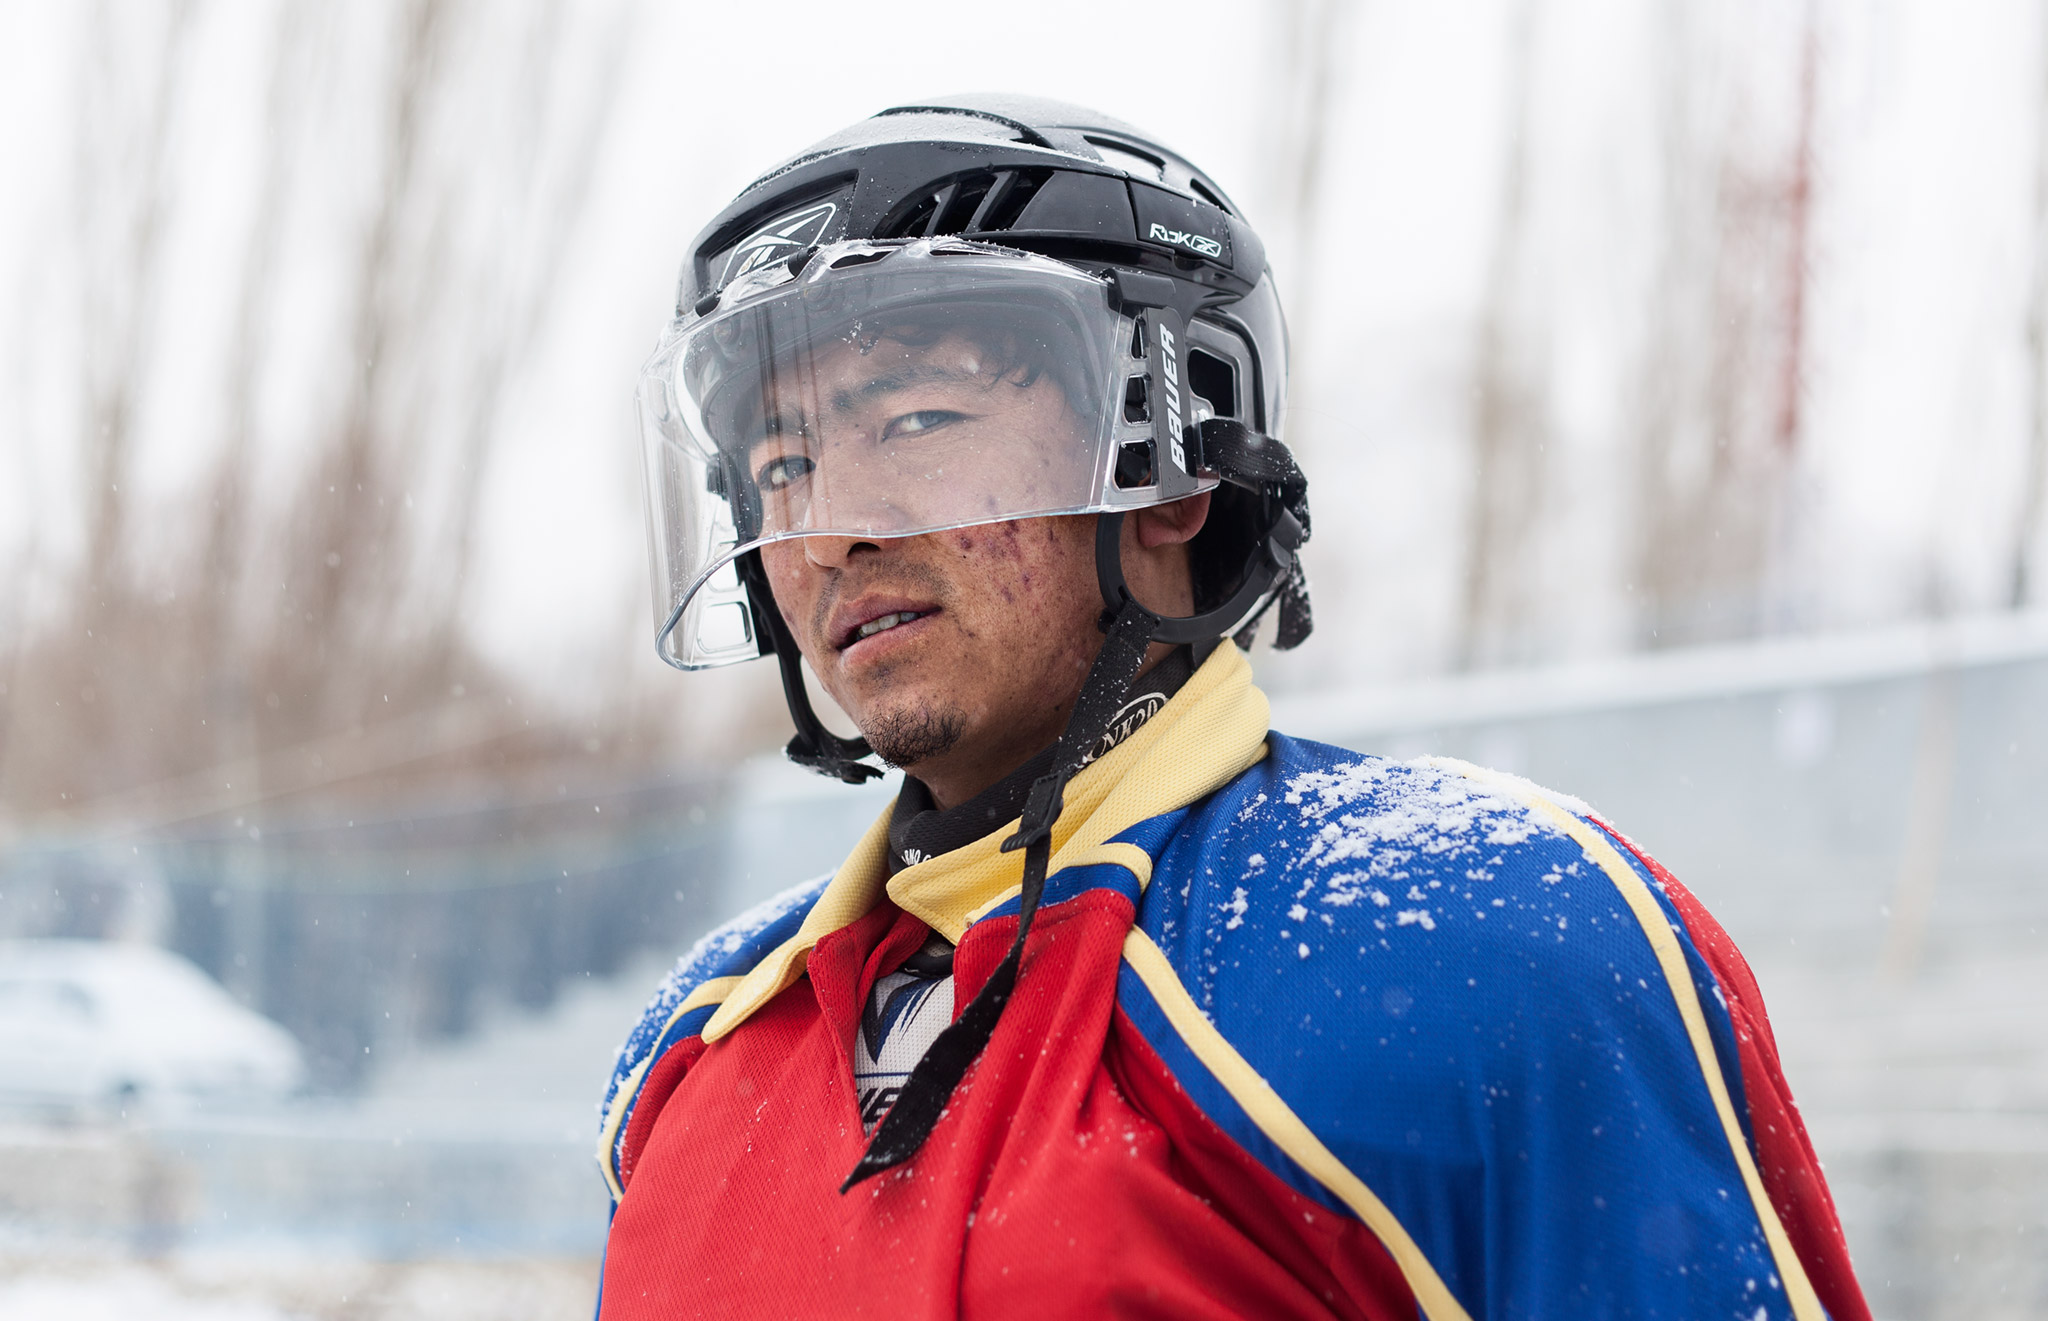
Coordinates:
x,y
814,745
1273,560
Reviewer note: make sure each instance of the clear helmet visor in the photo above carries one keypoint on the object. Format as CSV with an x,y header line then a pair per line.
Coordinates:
x,y
887,390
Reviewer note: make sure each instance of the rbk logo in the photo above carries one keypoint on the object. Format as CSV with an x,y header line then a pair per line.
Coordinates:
x,y
1201,243
782,237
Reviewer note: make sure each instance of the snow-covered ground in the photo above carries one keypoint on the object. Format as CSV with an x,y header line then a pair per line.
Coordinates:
x,y
1927,1099
287,1289
463,1184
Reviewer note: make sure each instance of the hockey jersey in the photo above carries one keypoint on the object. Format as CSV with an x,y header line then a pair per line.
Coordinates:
x,y
1299,1033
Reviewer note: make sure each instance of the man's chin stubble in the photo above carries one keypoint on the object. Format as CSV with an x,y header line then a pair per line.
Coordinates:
x,y
906,737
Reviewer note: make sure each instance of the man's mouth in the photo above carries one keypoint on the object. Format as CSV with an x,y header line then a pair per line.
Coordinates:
x,y
885,623
870,619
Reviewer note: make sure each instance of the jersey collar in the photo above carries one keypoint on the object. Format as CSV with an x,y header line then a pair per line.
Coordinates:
x,y
918,830
1204,737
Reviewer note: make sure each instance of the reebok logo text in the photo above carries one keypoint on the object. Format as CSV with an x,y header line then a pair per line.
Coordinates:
x,y
1180,238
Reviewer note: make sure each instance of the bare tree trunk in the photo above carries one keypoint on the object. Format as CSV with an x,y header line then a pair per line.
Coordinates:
x,y
345,567
1792,377
123,183
1311,44
1508,432
1723,374
1307,41
221,661
2034,474
517,330
24,574
118,321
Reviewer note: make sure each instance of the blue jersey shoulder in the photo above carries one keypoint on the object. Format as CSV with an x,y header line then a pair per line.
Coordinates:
x,y
729,951
1463,1007
1318,853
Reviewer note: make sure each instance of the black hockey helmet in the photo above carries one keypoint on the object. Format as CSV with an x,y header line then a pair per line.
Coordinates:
x,y
1139,280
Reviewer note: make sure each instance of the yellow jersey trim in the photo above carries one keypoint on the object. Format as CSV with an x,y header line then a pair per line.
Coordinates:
x,y
1128,856
851,892
1263,1106
1671,959
710,992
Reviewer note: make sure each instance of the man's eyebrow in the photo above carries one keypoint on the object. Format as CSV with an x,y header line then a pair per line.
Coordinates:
x,y
897,379
778,422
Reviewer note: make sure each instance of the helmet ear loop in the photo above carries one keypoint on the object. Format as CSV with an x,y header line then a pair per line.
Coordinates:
x,y
1274,559
814,745
1109,568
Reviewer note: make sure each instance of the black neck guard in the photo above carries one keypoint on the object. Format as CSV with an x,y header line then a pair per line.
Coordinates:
x,y
918,830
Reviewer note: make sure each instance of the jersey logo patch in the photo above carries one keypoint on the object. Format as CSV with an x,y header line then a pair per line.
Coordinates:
x,y
1126,722
882,1014
905,1012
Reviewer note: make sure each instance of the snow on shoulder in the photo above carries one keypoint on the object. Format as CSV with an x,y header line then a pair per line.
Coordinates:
x,y
1389,896
727,950
1329,852
714,954
1386,833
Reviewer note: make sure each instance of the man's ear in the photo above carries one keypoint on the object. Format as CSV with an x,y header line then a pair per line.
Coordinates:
x,y
1171,525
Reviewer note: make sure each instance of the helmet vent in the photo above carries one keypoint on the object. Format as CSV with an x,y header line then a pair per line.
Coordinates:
x,y
1208,194
1214,380
1137,164
984,202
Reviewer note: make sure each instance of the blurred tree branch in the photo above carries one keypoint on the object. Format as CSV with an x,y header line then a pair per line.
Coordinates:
x,y
1509,407
2034,471
261,626
120,296
1723,371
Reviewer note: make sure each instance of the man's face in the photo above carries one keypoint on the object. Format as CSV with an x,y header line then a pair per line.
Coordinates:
x,y
956,653
911,428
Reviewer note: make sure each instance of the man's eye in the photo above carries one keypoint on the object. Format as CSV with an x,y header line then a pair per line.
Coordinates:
x,y
925,419
780,472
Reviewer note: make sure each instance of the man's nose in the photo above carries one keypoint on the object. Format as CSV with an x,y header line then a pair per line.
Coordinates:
x,y
829,552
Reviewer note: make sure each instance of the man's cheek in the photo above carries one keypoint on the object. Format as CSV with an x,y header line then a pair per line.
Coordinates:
x,y
795,610
781,582
990,540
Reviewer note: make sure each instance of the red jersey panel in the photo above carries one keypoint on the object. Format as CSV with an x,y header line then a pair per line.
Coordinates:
x,y
1070,1168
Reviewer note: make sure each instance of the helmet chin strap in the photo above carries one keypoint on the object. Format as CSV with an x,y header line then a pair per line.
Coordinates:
x,y
1130,629
814,745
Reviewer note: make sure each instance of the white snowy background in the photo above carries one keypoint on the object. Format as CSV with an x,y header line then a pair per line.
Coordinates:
x,y
1612,123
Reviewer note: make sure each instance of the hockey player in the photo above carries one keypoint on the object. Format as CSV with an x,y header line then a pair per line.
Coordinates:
x,y
1130,1006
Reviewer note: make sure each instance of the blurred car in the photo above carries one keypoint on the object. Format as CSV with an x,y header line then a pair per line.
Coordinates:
x,y
93,1026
